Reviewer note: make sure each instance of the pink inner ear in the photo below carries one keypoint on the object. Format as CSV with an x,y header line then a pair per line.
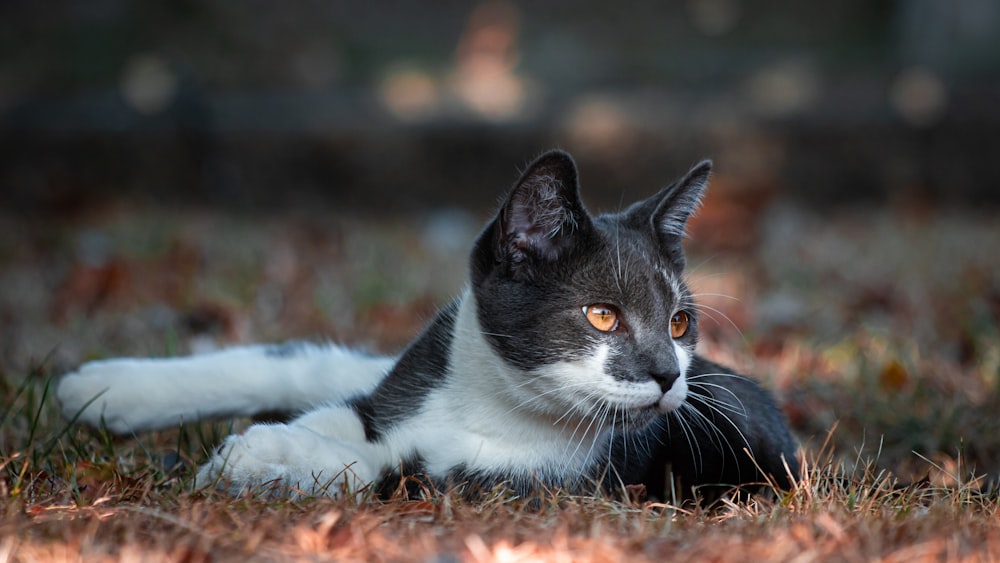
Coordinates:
x,y
538,203
543,211
521,242
537,216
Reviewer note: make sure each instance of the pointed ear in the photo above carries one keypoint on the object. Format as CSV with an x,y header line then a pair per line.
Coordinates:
x,y
667,212
681,199
543,211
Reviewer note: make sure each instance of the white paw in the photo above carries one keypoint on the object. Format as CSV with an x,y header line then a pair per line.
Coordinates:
x,y
286,460
85,395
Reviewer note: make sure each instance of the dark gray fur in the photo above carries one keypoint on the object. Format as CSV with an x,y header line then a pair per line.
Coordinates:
x,y
421,368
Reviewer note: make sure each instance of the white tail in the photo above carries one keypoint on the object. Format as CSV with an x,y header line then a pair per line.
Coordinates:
x,y
129,395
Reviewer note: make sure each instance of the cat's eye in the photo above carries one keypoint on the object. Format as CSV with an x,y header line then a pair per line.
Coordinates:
x,y
679,324
602,317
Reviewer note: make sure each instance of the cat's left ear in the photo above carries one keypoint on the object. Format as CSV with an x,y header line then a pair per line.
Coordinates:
x,y
668,212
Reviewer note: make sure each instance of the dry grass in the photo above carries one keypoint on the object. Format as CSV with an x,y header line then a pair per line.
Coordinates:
x,y
85,496
901,362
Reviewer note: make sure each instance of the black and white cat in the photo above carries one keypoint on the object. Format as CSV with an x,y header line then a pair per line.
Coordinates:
x,y
567,362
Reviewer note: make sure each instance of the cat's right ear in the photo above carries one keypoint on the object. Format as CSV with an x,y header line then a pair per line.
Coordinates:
x,y
543,212
667,212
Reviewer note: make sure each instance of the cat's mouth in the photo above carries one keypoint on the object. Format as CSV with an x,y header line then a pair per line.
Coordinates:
x,y
668,402
642,412
674,397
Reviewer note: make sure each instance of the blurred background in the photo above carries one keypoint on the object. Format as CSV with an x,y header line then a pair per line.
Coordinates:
x,y
251,103
177,176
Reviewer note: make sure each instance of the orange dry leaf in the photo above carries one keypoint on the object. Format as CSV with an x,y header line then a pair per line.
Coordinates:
x,y
894,376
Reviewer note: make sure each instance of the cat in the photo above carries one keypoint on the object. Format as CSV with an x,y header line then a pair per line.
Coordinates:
x,y
568,362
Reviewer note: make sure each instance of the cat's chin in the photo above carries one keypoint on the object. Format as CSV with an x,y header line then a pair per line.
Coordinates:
x,y
641,418
670,402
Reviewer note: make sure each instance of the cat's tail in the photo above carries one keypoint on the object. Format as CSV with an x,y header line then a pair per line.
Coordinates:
x,y
129,395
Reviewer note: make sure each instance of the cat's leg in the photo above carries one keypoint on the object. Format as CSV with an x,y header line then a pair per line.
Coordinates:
x,y
321,452
129,395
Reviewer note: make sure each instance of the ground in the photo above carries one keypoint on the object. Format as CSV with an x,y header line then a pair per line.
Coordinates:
x,y
876,328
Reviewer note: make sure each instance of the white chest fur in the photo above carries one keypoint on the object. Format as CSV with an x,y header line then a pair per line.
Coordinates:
x,y
489,417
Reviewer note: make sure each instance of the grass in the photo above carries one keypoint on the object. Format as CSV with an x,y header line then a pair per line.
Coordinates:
x,y
890,379
71,493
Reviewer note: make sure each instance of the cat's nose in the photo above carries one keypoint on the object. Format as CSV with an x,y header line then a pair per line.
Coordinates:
x,y
665,379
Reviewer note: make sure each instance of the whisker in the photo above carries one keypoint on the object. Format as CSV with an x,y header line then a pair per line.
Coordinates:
x,y
710,294
712,430
705,308
727,419
704,385
583,419
586,432
576,408
538,397
688,435
716,434
693,269
496,334
733,375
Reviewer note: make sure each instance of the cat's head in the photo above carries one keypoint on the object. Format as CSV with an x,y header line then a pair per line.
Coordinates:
x,y
590,313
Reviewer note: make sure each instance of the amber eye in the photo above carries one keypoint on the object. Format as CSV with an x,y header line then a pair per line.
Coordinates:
x,y
603,317
679,324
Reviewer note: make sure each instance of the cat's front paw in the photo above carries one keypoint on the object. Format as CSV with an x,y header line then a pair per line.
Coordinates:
x,y
103,392
285,460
